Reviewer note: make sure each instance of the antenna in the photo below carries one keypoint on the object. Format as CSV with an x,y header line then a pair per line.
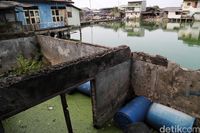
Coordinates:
x,y
118,3
90,4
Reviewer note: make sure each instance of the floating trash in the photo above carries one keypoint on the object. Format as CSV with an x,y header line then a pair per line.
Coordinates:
x,y
50,108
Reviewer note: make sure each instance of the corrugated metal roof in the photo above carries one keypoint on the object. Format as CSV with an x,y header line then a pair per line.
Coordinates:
x,y
172,9
70,5
63,1
10,4
134,1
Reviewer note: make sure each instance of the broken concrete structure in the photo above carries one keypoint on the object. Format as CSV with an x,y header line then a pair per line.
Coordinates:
x,y
166,82
116,76
56,51
72,63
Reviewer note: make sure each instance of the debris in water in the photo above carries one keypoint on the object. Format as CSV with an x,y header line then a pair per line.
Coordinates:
x,y
50,108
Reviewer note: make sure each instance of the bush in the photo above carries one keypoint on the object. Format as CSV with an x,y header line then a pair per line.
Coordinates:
x,y
25,66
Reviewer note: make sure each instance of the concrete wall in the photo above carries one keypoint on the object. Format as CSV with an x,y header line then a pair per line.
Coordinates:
x,y
11,49
75,19
18,93
111,91
167,83
57,51
139,6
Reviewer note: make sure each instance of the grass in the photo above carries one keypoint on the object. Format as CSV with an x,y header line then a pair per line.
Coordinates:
x,y
25,65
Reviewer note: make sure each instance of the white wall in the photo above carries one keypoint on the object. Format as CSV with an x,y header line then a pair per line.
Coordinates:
x,y
173,15
198,5
185,7
197,17
75,19
132,15
191,10
136,12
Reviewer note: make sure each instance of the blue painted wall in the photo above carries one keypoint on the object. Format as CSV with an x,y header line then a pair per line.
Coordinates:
x,y
20,15
46,16
46,20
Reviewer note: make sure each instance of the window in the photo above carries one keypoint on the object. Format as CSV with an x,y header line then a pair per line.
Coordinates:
x,y
58,14
178,13
32,16
188,4
69,14
195,4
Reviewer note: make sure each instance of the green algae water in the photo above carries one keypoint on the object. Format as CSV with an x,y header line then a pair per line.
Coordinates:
x,y
48,117
179,42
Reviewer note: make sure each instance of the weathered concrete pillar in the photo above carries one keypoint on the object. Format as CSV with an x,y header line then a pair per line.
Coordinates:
x,y
112,89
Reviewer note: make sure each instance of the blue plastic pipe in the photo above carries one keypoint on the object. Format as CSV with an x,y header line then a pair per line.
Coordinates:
x,y
85,88
133,112
161,117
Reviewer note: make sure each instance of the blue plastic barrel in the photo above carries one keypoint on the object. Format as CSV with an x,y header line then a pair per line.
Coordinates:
x,y
160,117
133,112
85,88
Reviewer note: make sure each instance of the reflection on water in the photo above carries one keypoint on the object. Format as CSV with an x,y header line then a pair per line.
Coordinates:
x,y
134,29
179,42
190,34
173,26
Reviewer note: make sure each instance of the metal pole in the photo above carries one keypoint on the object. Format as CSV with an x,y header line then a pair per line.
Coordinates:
x,y
1,128
66,112
80,34
90,4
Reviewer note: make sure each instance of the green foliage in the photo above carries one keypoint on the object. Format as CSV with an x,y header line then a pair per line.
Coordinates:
x,y
191,42
25,66
156,7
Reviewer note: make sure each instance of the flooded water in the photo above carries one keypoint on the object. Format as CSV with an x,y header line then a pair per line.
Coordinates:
x,y
178,42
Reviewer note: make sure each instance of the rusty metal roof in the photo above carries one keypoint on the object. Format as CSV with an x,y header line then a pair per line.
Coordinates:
x,y
11,4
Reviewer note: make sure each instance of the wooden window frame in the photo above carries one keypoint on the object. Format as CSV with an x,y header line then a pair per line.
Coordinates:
x,y
32,16
57,16
69,14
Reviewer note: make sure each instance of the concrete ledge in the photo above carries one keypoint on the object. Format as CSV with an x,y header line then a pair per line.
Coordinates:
x,y
22,92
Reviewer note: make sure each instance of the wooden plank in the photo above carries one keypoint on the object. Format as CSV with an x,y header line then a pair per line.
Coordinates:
x,y
20,93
